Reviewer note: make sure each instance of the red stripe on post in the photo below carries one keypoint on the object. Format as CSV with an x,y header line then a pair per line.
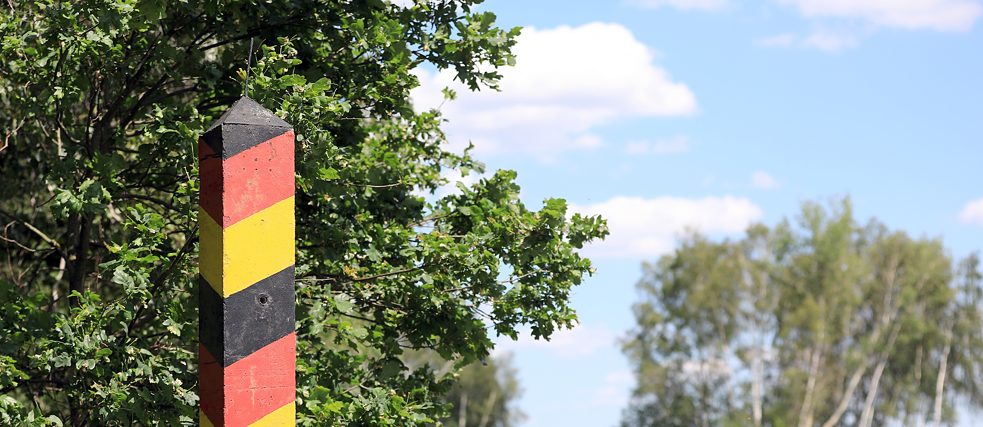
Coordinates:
x,y
247,182
211,393
210,171
251,388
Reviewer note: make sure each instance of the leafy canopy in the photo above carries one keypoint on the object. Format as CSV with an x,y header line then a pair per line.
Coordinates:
x,y
824,322
101,104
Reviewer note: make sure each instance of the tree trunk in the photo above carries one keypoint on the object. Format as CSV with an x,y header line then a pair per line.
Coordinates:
x,y
489,407
918,383
867,416
704,404
806,414
940,379
756,386
79,257
847,395
462,412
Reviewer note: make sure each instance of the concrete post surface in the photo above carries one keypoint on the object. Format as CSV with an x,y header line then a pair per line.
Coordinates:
x,y
246,285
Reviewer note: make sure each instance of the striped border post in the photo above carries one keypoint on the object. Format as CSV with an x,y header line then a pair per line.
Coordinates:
x,y
246,291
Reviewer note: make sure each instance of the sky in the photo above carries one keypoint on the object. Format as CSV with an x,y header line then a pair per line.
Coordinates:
x,y
663,115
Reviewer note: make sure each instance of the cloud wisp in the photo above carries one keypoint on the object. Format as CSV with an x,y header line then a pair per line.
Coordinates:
x,y
615,390
824,40
764,181
938,15
702,5
579,341
842,24
972,213
675,145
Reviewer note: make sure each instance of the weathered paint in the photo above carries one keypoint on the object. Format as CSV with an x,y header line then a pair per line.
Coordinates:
x,y
246,292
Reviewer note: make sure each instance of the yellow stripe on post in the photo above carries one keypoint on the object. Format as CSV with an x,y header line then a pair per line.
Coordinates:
x,y
210,250
249,250
278,418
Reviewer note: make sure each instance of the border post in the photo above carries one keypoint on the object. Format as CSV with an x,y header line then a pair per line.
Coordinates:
x,y
247,342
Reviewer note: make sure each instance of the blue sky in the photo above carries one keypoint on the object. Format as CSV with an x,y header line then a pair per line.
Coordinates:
x,y
712,114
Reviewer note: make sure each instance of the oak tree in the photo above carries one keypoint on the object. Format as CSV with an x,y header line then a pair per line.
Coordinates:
x,y
101,105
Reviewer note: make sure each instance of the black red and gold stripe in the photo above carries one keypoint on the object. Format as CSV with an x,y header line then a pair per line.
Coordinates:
x,y
246,284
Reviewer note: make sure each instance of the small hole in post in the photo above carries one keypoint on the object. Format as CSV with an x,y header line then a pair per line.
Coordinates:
x,y
263,299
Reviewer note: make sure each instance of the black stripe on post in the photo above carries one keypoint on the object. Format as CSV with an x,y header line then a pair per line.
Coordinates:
x,y
246,321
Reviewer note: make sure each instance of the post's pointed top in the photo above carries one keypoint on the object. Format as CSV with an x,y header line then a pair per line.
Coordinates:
x,y
245,111
243,126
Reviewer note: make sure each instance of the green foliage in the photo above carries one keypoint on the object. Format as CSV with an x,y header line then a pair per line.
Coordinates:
x,y
102,103
824,322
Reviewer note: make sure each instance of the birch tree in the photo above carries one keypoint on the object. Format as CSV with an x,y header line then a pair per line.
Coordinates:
x,y
821,321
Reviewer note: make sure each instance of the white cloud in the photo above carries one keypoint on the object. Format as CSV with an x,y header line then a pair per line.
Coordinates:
x,y
580,341
972,213
764,181
566,82
643,227
939,15
683,4
674,145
